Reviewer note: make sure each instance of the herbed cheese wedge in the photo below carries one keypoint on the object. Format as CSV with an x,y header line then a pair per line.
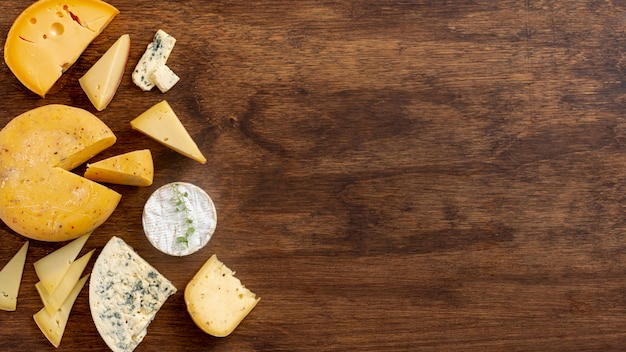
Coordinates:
x,y
160,123
52,268
216,300
53,325
125,294
10,279
39,197
134,168
103,79
155,56
49,36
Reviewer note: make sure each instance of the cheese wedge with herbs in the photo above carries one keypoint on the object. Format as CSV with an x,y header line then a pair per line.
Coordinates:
x,y
216,300
125,294
52,268
11,278
53,325
39,197
49,36
134,168
160,123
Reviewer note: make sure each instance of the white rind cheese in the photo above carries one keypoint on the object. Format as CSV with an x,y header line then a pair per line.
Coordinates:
x,y
156,55
125,294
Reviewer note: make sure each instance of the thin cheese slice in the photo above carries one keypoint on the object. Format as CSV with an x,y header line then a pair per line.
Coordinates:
x,y
39,197
50,35
216,300
10,279
52,268
53,325
134,168
160,123
125,294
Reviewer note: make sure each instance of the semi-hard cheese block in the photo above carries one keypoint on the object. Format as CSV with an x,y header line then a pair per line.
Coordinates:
x,y
134,168
125,294
155,56
160,123
52,268
10,279
216,300
39,197
52,325
103,79
49,36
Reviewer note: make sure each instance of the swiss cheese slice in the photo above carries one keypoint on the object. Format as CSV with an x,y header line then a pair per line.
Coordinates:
x,y
160,123
53,325
216,300
52,268
50,35
125,294
10,279
134,168
39,197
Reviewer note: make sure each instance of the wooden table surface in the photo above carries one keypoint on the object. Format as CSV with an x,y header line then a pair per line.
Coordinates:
x,y
388,175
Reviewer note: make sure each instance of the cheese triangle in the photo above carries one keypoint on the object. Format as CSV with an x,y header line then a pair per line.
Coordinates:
x,y
52,268
10,279
134,168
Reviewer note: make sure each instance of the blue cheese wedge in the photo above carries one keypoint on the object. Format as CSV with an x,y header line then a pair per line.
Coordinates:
x,y
125,294
155,57
164,78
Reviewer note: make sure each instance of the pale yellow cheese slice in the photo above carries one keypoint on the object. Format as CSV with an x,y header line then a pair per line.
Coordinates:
x,y
160,123
49,36
39,197
10,279
53,300
53,325
216,300
102,80
52,268
134,168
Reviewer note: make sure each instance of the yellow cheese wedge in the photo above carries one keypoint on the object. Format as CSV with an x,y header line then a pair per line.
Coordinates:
x,y
39,197
216,300
53,325
160,123
10,279
53,300
100,83
49,36
134,168
52,268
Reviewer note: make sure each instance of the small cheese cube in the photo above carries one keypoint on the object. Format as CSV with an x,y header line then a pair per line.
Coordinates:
x,y
164,78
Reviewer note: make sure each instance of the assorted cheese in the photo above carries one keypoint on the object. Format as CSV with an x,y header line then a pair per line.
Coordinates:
x,y
162,124
39,197
125,294
49,36
10,279
100,83
179,218
133,169
151,69
216,300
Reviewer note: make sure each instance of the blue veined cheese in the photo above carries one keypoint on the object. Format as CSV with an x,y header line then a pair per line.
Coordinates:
x,y
164,78
155,56
125,293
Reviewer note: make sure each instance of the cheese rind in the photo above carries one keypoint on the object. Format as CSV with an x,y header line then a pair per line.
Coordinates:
x,y
125,294
10,279
134,168
49,36
160,123
216,300
156,55
39,198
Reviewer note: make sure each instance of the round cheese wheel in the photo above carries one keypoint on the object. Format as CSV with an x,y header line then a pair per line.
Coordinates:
x,y
179,218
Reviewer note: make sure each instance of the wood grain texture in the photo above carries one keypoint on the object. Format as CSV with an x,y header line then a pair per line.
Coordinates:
x,y
388,175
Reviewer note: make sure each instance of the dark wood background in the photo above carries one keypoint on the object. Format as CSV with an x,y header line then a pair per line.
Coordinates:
x,y
388,175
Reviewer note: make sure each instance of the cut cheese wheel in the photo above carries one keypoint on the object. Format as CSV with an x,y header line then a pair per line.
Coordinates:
x,y
134,168
125,294
10,279
53,325
160,123
39,197
179,218
49,36
52,268
216,300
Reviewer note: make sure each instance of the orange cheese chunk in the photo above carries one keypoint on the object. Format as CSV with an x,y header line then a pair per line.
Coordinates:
x,y
132,169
